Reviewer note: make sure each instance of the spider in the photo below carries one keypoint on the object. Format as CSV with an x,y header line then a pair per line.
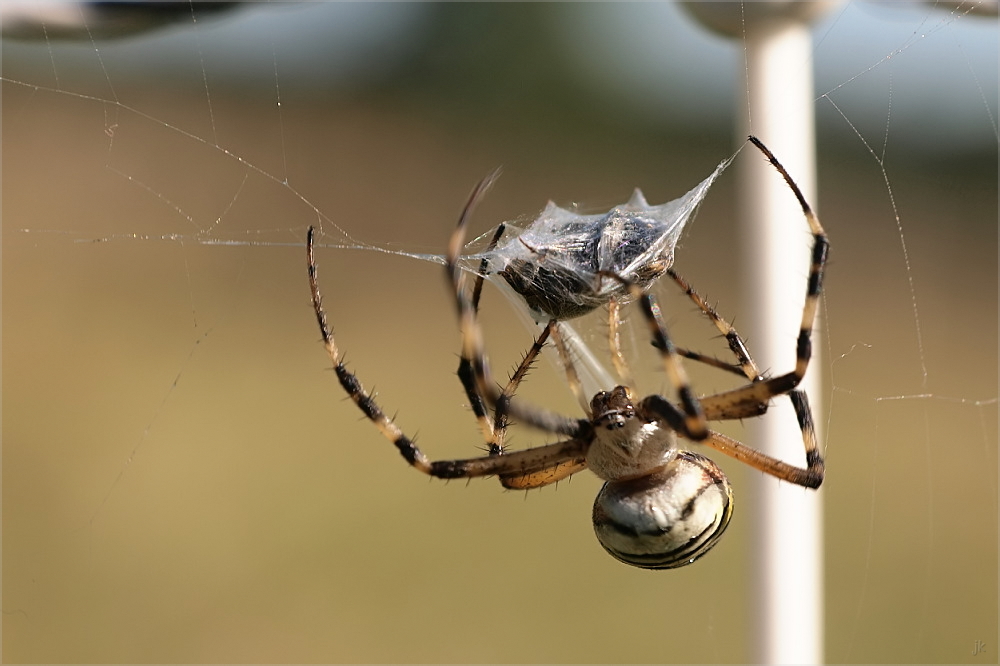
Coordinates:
x,y
661,506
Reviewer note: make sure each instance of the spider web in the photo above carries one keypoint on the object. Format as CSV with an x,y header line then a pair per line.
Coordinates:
x,y
183,482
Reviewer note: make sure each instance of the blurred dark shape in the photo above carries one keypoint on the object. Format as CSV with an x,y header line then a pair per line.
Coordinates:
x,y
730,19
73,21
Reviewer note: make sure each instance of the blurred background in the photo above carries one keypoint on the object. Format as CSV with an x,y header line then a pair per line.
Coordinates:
x,y
182,478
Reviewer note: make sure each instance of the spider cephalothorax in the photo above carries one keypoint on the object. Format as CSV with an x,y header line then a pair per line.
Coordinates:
x,y
661,506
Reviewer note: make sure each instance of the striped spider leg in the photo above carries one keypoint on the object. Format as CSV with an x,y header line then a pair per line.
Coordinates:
x,y
753,398
493,430
519,463
812,476
515,470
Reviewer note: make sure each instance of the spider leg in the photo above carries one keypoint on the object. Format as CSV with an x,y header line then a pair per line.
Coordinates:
x,y
500,415
493,432
473,349
465,370
572,378
572,461
745,364
521,469
814,287
752,399
743,403
811,476
465,375
529,468
705,359
614,343
350,382
716,409
568,463
542,419
691,421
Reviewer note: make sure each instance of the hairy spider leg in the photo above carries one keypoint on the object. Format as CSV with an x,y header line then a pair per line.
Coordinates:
x,y
495,430
745,365
753,399
519,464
615,343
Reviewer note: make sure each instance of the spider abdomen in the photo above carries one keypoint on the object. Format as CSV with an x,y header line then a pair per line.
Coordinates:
x,y
666,519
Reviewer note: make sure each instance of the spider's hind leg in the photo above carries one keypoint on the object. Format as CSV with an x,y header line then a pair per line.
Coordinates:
x,y
740,401
743,401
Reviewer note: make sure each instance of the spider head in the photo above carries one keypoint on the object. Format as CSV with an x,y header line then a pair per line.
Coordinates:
x,y
612,409
665,519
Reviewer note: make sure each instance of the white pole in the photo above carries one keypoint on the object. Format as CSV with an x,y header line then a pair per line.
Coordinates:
x,y
776,104
788,555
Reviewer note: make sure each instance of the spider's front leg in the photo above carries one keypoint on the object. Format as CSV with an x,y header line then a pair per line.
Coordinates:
x,y
494,430
473,349
763,391
475,374
752,399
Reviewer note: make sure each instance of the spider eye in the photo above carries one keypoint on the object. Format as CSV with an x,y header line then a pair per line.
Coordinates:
x,y
667,519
